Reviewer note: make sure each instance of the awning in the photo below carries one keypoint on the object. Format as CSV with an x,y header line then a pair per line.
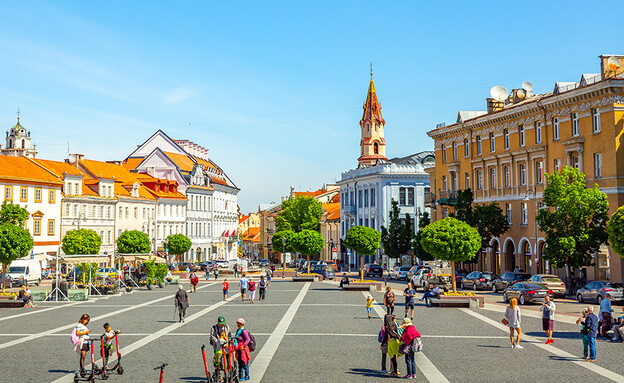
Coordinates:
x,y
226,233
76,259
139,258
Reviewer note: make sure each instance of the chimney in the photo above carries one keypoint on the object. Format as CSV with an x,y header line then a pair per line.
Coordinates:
x,y
494,105
605,71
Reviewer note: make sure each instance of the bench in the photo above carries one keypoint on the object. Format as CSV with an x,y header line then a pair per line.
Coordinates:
x,y
6,303
471,303
359,287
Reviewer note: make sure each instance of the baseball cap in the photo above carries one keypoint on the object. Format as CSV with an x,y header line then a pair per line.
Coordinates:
x,y
221,320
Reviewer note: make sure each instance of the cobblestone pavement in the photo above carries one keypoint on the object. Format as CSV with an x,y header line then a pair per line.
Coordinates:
x,y
306,332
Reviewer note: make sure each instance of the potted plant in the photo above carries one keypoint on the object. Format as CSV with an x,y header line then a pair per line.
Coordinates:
x,y
150,270
161,273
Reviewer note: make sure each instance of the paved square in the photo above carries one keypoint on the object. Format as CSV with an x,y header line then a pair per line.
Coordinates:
x,y
306,332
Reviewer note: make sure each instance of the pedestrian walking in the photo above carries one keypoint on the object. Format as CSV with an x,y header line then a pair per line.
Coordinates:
x,y
194,281
584,333
604,315
207,273
242,350
226,287
393,340
243,284
369,306
548,318
591,322
235,271
409,293
252,290
512,319
216,273
262,285
409,338
389,300
81,346
181,301
269,274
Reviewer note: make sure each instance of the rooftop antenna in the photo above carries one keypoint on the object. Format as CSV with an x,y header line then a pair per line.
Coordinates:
x,y
499,93
18,115
189,131
371,70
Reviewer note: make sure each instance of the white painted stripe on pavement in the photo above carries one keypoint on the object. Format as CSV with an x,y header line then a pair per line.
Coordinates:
x,y
264,357
531,313
552,349
152,337
38,311
423,363
71,325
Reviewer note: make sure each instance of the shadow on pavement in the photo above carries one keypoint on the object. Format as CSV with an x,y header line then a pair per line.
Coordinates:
x,y
193,379
556,334
62,371
565,358
493,346
366,372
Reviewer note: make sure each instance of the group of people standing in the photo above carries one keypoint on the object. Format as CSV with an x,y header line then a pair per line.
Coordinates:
x,y
398,340
221,337
249,285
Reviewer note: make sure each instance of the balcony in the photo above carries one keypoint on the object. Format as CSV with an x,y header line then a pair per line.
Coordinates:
x,y
430,200
349,209
447,197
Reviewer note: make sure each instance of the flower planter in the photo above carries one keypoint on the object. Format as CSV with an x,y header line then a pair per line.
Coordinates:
x,y
39,295
305,278
128,289
78,294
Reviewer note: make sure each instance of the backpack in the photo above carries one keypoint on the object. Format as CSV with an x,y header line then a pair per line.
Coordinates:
x,y
252,342
74,338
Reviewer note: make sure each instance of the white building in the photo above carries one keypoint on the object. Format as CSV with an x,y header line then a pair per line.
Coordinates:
x,y
18,142
367,191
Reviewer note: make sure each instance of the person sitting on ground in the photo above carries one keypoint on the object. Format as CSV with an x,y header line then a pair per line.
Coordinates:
x,y
435,293
344,281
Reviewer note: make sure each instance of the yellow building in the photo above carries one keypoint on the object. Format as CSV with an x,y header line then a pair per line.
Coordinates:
x,y
503,154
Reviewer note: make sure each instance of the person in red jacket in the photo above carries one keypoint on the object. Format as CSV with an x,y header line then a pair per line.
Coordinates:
x,y
411,337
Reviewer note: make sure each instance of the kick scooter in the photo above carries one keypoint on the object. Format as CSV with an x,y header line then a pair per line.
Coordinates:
x,y
162,371
117,367
88,376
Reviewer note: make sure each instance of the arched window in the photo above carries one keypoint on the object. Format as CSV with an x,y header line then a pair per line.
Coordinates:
x,y
23,143
376,148
10,143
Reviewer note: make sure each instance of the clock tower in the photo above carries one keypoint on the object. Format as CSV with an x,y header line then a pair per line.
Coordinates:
x,y
372,144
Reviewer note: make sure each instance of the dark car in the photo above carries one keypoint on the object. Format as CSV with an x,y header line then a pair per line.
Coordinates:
x,y
373,270
597,291
460,275
508,279
527,292
191,266
264,262
327,271
479,280
206,265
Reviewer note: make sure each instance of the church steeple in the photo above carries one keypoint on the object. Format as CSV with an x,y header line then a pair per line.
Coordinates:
x,y
372,144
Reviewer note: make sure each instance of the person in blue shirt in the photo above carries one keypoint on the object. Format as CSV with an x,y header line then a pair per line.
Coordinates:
x,y
591,323
409,293
604,315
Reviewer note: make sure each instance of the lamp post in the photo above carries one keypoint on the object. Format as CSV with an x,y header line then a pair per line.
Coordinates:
x,y
284,257
531,192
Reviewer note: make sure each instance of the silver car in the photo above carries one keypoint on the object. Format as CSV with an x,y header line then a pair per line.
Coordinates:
x,y
553,282
597,291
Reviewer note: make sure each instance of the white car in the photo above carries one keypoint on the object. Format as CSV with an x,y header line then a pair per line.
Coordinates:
x,y
222,264
399,272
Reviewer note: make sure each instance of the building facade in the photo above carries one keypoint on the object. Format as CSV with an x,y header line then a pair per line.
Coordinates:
x,y
503,154
17,142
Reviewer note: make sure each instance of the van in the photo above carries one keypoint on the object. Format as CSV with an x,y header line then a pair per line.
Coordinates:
x,y
25,271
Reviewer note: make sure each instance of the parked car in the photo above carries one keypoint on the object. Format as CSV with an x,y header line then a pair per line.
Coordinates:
x,y
460,275
398,272
508,279
107,272
222,264
479,280
264,262
418,279
76,273
371,270
597,291
527,292
553,282
325,270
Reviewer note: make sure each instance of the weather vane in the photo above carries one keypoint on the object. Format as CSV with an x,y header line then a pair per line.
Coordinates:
x,y
371,67
18,114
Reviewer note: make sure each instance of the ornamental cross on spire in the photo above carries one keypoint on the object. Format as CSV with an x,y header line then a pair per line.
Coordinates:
x,y
18,114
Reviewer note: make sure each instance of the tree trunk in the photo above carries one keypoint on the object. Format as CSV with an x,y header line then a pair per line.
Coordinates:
x,y
3,276
308,263
453,277
361,267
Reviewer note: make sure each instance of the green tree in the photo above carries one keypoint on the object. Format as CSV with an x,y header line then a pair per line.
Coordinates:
x,y
489,221
287,245
81,241
178,244
364,241
417,249
451,240
15,241
308,242
574,220
616,231
397,237
463,206
298,214
133,242
161,271
88,271
150,269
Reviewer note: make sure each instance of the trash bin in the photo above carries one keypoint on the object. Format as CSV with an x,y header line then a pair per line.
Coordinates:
x,y
64,286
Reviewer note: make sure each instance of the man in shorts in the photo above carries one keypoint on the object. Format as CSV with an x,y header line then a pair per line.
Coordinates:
x,y
226,287
548,318
244,282
409,293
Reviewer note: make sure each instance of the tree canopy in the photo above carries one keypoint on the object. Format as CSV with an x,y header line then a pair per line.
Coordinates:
x,y
81,241
364,241
13,214
133,242
574,220
298,214
308,242
616,231
15,241
397,237
489,221
417,248
178,244
288,245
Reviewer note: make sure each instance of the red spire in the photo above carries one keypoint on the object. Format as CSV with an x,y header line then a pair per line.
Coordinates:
x,y
372,108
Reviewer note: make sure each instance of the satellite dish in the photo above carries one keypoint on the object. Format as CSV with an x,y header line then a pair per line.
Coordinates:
x,y
521,93
499,93
72,158
613,63
526,85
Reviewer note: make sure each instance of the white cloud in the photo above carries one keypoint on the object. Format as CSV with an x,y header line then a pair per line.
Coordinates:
x,y
181,94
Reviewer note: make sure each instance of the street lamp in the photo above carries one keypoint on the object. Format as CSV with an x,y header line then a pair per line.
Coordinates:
x,y
284,257
531,192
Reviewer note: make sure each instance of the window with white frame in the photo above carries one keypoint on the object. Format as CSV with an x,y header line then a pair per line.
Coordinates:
x,y
525,217
508,213
522,174
557,164
479,180
492,178
595,120
506,138
597,165
466,148
521,135
539,172
575,124
538,132
467,180
492,143
507,171
555,122
479,145
443,153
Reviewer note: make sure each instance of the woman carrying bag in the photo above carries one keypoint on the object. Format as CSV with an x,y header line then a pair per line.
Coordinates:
x,y
411,344
393,341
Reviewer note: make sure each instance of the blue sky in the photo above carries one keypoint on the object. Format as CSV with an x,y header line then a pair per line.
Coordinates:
x,y
275,89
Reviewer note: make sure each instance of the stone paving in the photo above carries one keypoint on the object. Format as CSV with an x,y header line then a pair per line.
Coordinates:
x,y
317,334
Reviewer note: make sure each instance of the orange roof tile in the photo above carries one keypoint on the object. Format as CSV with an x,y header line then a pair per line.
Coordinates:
x,y
242,218
121,175
333,210
58,167
25,169
184,162
132,163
